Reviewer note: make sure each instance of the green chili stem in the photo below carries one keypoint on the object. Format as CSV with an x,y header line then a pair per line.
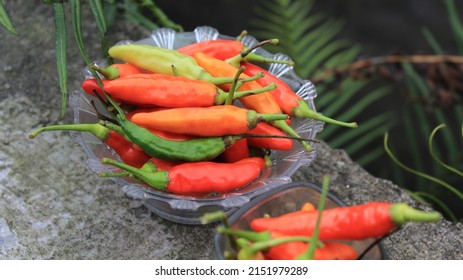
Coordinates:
x,y
248,55
96,129
215,216
281,124
254,248
231,93
249,235
241,36
118,174
401,213
310,253
109,72
304,111
158,179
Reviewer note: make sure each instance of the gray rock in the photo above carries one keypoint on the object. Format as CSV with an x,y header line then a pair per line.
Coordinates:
x,y
54,207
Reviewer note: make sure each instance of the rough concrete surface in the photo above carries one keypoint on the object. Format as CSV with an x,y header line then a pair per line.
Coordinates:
x,y
53,207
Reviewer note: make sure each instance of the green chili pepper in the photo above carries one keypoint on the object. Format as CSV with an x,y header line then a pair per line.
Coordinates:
x,y
160,60
198,149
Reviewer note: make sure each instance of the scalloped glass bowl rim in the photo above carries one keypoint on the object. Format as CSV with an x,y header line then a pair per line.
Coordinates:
x,y
289,74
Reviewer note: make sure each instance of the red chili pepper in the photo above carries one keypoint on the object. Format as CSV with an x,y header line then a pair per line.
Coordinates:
x,y
162,164
289,102
203,121
328,250
232,51
262,128
90,86
117,70
370,220
262,103
127,151
198,178
238,151
220,49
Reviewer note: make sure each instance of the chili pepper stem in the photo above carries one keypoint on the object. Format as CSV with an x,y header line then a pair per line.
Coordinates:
x,y
401,213
251,250
158,180
96,129
288,129
249,235
118,174
303,111
248,55
227,97
230,96
310,253
215,216
109,72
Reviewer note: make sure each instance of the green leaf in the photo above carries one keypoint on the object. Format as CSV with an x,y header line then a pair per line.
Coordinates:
x,y
5,20
455,23
132,14
61,52
98,12
362,130
432,41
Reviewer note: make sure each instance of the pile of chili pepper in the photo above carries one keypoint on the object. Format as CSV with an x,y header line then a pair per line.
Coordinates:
x,y
288,237
181,112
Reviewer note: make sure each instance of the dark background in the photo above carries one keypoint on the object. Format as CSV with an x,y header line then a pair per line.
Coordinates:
x,y
380,26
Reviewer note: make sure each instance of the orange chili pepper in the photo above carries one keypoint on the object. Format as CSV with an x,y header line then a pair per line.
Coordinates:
x,y
289,102
220,49
262,103
203,121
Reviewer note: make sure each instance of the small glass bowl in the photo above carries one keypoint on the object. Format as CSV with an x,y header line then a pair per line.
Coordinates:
x,y
285,199
189,209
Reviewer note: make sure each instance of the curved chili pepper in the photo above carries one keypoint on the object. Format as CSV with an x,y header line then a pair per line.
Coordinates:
x,y
370,220
263,128
289,102
117,70
198,178
262,103
170,91
128,152
163,61
203,121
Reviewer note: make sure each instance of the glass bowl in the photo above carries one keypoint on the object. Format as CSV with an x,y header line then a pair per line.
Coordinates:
x,y
189,209
285,199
